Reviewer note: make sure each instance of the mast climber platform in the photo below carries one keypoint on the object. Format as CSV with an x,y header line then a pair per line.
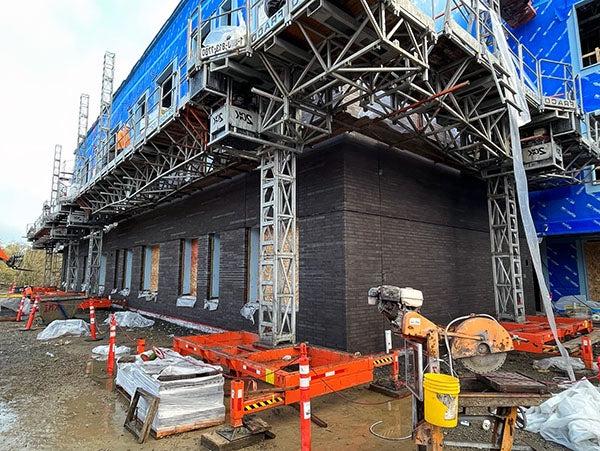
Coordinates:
x,y
265,80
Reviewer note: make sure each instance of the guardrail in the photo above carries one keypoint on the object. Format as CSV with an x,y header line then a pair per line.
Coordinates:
x,y
146,118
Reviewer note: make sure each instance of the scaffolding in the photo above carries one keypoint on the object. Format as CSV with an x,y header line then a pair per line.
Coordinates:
x,y
288,75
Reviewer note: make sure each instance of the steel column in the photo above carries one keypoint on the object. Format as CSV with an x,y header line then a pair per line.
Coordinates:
x,y
505,246
278,243
92,270
71,281
48,267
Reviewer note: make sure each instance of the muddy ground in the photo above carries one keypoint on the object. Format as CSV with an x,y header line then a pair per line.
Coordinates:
x,y
47,402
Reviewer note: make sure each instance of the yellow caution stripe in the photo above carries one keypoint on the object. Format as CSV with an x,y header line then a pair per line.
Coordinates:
x,y
263,404
383,361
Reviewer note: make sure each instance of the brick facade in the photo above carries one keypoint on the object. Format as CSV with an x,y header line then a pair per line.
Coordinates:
x,y
365,216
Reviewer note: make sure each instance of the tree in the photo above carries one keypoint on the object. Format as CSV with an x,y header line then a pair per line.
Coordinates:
x,y
33,260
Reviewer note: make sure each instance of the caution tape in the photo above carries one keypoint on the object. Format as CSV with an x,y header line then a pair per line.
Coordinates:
x,y
383,360
262,404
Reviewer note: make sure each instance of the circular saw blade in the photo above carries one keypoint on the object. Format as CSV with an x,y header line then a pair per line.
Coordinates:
x,y
486,363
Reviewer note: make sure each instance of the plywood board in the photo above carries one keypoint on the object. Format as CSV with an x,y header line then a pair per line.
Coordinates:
x,y
155,268
194,269
592,263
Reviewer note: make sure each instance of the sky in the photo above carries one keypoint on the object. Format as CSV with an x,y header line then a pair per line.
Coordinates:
x,y
51,51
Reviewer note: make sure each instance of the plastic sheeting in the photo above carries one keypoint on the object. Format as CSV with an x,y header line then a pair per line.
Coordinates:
x,y
186,401
101,352
569,418
211,304
517,118
186,301
59,328
248,310
559,363
131,319
13,304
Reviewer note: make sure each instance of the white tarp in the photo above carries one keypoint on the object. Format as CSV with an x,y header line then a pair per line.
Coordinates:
x,y
131,319
569,418
559,363
248,310
58,328
13,304
101,352
186,301
193,400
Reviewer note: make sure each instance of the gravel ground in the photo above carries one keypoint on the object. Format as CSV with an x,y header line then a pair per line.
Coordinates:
x,y
48,402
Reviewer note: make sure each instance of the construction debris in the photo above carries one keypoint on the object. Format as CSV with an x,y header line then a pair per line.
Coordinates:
x,y
58,328
569,418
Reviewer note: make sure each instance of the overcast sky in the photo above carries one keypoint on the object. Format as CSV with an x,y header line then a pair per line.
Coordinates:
x,y
51,51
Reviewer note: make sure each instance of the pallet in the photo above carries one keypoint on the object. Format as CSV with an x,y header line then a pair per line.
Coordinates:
x,y
574,346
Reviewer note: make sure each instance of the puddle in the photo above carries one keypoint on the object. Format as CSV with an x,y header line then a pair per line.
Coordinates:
x,y
7,417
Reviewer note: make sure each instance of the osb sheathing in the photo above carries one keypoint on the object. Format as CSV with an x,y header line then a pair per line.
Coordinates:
x,y
592,261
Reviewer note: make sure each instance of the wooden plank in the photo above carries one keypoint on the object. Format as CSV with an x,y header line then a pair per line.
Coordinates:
x,y
165,432
574,344
512,382
592,265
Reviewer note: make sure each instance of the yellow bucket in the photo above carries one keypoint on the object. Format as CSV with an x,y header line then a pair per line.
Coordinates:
x,y
440,396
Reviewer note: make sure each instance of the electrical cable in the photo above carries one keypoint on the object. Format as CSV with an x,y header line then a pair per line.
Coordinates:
x,y
392,439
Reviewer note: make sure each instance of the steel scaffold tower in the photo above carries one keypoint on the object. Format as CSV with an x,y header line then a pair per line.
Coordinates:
x,y
278,243
54,193
92,270
72,272
48,266
82,122
103,140
505,247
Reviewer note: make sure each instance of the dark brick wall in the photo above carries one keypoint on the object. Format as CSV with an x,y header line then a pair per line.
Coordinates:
x,y
411,223
366,216
228,209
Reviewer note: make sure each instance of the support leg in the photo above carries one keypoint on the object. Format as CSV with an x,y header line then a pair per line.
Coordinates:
x,y
278,243
505,246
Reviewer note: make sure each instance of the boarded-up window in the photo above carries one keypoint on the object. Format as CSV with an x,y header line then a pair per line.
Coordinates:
x,y
252,263
150,267
188,267
214,266
592,267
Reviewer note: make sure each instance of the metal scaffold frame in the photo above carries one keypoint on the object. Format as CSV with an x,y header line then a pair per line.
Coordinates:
x,y
72,271
49,267
505,247
92,270
56,171
278,297
299,72
106,94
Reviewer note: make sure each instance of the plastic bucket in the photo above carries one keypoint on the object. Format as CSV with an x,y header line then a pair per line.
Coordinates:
x,y
440,397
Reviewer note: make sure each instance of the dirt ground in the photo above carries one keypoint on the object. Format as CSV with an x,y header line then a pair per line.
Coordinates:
x,y
47,402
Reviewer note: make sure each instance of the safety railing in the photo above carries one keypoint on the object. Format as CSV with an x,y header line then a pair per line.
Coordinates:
x,y
526,65
144,119
557,81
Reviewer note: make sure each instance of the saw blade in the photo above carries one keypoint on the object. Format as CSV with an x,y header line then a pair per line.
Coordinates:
x,y
486,363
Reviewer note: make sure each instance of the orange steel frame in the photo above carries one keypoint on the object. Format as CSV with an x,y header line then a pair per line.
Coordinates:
x,y
535,335
54,292
241,353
